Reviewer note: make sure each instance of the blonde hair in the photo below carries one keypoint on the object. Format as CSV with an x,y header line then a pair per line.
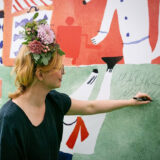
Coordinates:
x,y
25,70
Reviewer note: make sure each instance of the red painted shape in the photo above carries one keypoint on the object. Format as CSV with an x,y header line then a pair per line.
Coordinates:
x,y
19,4
27,3
80,127
69,38
33,2
43,2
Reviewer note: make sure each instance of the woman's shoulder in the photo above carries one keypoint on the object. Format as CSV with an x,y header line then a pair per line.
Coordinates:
x,y
10,112
7,109
58,95
60,99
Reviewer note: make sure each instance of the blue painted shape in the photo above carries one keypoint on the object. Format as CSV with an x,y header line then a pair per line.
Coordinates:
x,y
138,41
127,34
102,32
125,17
22,22
1,27
65,156
17,36
16,52
25,20
1,60
1,44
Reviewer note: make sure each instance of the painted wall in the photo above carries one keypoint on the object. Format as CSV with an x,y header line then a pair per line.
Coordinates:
x,y
109,45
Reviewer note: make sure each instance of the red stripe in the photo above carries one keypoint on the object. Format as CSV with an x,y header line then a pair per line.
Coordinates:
x,y
79,127
27,3
15,8
43,2
19,4
33,2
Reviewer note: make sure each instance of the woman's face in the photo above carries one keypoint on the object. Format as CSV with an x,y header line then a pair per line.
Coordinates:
x,y
53,78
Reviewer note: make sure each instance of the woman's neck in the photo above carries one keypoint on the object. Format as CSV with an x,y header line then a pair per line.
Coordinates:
x,y
34,96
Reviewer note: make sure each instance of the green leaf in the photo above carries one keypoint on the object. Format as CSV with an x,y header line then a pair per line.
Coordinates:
x,y
60,52
43,55
22,32
36,56
45,61
28,25
35,15
43,21
49,56
29,38
25,42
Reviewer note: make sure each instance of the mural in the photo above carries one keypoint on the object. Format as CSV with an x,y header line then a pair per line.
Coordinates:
x,y
97,36
134,30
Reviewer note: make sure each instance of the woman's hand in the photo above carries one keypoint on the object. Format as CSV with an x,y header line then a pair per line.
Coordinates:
x,y
140,98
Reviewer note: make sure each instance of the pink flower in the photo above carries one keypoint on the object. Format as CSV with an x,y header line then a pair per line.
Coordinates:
x,y
45,34
35,47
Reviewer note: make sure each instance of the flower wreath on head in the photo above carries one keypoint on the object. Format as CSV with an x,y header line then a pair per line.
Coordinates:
x,y
40,39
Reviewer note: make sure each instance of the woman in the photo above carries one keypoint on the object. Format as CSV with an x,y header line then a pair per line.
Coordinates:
x,y
31,122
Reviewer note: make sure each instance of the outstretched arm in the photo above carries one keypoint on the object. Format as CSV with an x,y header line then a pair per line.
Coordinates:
x,y
79,107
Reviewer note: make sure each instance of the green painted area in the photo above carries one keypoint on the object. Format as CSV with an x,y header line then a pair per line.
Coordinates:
x,y
7,83
131,133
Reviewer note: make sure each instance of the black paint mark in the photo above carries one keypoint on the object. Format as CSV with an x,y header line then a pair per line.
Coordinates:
x,y
69,124
111,61
1,14
93,80
84,2
35,8
95,70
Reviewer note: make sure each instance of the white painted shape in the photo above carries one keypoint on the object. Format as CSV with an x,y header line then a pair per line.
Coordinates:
x,y
138,53
1,5
82,93
92,122
105,87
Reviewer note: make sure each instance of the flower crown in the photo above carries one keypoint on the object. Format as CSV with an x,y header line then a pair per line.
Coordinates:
x,y
41,41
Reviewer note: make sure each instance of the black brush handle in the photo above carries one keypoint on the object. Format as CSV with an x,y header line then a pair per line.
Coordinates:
x,y
142,98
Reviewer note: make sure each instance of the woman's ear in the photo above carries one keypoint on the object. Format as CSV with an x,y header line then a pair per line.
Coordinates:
x,y
39,74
